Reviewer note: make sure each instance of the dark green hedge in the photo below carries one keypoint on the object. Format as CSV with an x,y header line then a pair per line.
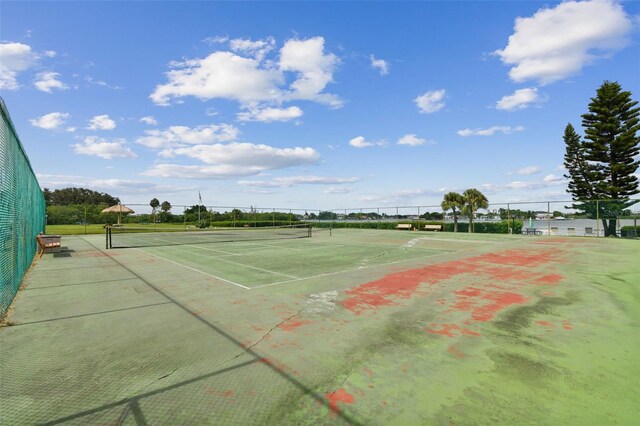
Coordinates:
x,y
243,223
479,227
630,232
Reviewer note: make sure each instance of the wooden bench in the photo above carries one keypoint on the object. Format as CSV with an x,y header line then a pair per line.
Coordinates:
x,y
48,243
406,226
433,227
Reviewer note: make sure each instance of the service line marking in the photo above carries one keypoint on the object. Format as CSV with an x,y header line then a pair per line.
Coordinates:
x,y
195,270
360,268
241,264
211,249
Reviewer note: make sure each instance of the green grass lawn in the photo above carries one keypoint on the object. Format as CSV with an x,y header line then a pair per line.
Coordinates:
x,y
99,228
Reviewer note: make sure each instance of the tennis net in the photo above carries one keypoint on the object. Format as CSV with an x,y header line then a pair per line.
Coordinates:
x,y
126,236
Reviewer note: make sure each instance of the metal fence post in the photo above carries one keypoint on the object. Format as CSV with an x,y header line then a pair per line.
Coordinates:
x,y
598,217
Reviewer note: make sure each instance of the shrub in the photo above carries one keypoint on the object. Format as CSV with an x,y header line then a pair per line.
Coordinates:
x,y
479,227
630,231
244,223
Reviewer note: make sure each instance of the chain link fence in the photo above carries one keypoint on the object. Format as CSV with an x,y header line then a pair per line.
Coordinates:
x,y
22,211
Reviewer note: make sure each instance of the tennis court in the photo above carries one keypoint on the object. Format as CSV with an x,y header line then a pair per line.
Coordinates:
x,y
275,259
346,327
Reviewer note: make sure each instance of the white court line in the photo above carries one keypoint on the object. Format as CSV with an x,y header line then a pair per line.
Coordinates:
x,y
210,249
353,270
389,246
328,246
194,269
241,264
458,241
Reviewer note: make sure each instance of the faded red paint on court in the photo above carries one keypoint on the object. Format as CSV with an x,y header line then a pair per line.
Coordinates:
x,y
339,396
226,394
484,304
551,279
453,350
389,290
451,330
290,326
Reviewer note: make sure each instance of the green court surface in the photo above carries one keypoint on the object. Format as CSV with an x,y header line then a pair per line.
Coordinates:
x,y
348,327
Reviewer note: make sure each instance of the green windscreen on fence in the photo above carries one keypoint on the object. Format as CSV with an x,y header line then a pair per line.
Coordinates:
x,y
22,211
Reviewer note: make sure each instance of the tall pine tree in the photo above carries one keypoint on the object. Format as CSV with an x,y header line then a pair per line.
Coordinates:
x,y
602,166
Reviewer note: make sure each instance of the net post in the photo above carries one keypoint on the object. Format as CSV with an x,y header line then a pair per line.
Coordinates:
x,y
107,237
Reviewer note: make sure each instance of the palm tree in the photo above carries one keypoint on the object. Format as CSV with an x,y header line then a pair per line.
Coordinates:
x,y
166,206
154,205
453,201
474,200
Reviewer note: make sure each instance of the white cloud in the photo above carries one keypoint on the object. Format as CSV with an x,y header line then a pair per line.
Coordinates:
x,y
102,148
400,197
520,99
285,182
529,170
257,49
50,121
360,142
412,140
487,188
507,130
216,40
45,81
553,178
262,157
430,102
14,58
338,190
150,120
558,42
222,160
101,83
254,81
220,75
101,122
177,136
314,70
268,115
200,172
103,185
379,64
525,185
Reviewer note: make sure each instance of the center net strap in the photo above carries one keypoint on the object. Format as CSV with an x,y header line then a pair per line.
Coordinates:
x,y
128,237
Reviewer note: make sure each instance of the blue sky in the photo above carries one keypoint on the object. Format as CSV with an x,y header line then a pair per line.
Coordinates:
x,y
317,105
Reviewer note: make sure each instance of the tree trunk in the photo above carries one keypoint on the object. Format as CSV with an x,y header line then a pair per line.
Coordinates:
x,y
455,221
471,222
610,227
